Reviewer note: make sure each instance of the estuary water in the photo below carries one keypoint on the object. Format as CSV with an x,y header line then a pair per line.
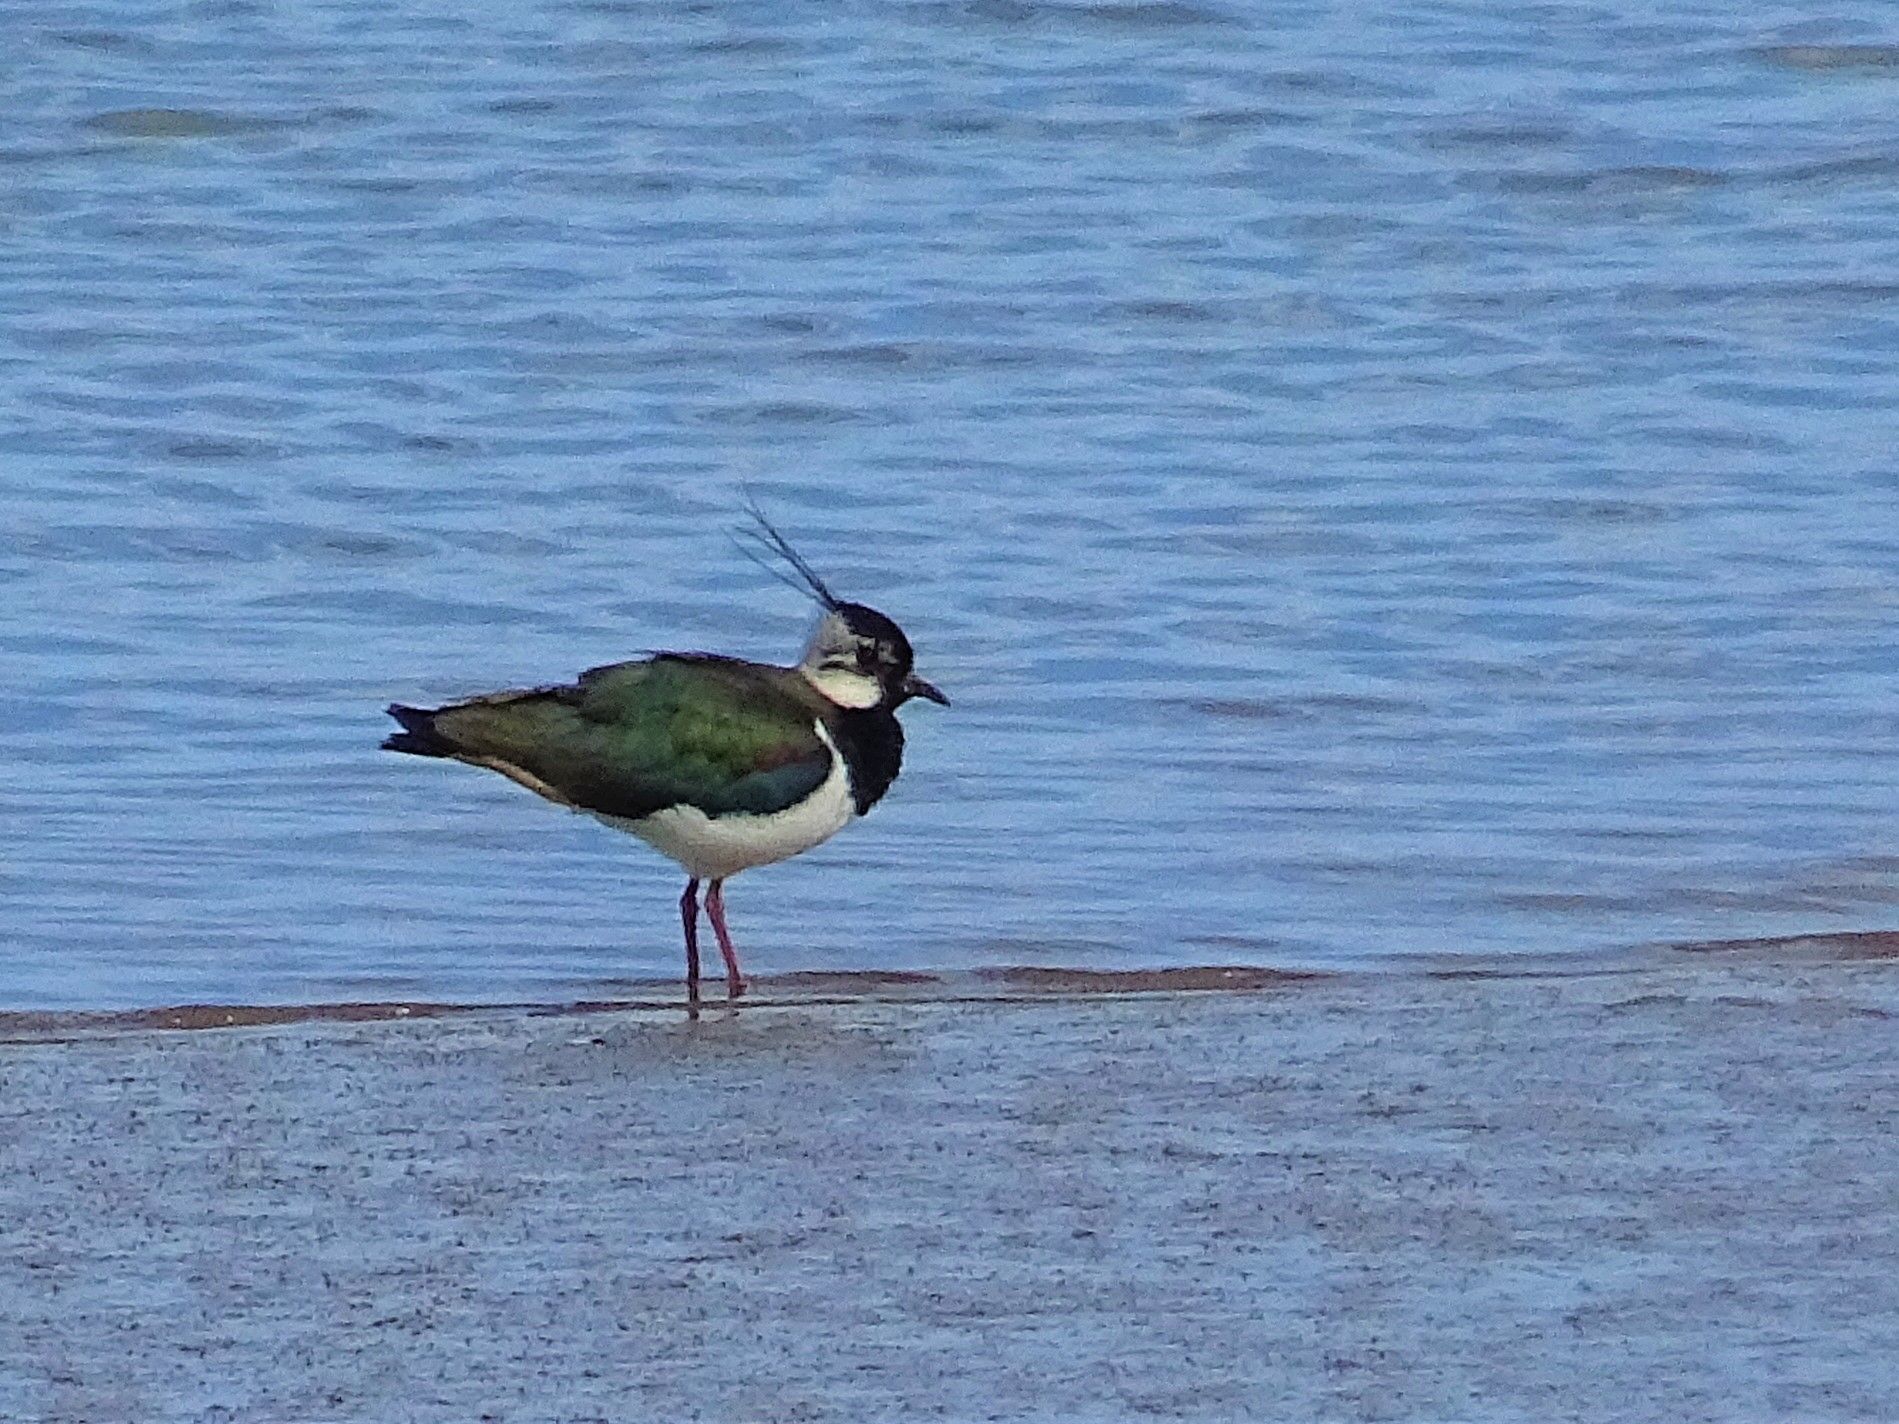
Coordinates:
x,y
1376,480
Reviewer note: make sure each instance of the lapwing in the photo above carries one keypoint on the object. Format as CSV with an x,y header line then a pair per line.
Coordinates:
x,y
718,763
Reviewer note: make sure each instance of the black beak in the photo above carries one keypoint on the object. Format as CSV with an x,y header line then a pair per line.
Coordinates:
x,y
914,686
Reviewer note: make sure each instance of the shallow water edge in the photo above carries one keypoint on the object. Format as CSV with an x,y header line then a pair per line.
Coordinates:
x,y
1005,984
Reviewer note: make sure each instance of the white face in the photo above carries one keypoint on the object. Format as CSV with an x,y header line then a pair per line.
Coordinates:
x,y
836,662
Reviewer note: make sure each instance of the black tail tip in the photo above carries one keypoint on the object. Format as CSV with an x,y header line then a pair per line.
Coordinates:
x,y
417,736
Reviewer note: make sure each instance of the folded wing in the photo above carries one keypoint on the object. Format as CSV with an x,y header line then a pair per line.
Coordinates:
x,y
634,738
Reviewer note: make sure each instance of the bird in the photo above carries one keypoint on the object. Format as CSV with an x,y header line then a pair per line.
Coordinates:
x,y
718,763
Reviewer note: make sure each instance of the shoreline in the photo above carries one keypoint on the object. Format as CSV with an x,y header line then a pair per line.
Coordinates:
x,y
1001,984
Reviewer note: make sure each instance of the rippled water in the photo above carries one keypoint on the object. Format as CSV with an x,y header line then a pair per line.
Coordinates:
x,y
1375,480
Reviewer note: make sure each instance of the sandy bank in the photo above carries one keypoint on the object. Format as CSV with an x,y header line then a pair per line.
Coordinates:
x,y
1667,1192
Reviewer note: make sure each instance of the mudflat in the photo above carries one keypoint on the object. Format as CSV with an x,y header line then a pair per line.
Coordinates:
x,y
1668,1191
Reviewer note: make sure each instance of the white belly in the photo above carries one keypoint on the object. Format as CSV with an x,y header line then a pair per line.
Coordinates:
x,y
713,847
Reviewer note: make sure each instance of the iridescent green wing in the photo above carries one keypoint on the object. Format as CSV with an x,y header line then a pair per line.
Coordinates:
x,y
633,738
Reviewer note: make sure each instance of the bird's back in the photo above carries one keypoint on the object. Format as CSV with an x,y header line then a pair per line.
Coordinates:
x,y
634,738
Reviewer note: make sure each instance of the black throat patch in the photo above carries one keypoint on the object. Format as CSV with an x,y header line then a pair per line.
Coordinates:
x,y
871,743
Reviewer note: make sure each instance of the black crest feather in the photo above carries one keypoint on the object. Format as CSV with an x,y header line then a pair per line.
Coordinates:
x,y
762,544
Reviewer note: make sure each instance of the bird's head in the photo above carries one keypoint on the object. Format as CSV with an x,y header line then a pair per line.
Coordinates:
x,y
857,658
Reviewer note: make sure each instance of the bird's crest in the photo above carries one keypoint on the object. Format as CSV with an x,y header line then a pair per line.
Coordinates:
x,y
764,544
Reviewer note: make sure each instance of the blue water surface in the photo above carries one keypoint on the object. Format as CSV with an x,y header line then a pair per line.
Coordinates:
x,y
1376,480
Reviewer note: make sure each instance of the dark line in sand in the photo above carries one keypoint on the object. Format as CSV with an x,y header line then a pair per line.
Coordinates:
x,y
1011,984
781,991
1846,945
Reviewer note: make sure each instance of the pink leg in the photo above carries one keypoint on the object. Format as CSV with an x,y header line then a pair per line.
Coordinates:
x,y
715,911
689,916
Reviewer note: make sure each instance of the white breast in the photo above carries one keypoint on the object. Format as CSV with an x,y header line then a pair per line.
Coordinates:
x,y
713,847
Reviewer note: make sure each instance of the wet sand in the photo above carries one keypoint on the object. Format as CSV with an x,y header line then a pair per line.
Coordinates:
x,y
1666,1191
